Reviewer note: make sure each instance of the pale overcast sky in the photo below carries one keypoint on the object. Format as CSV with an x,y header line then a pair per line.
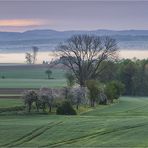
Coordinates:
x,y
73,15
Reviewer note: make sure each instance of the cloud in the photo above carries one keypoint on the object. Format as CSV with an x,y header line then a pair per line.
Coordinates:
x,y
21,22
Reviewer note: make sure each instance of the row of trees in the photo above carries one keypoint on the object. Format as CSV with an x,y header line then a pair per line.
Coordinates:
x,y
93,94
133,73
42,99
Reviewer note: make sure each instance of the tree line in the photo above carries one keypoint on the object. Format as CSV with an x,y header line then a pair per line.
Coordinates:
x,y
64,99
133,73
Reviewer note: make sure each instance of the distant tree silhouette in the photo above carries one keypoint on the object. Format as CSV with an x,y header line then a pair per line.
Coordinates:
x,y
49,73
35,51
28,58
31,58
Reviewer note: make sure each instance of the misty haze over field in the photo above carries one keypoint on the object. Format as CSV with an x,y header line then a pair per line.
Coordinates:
x,y
47,40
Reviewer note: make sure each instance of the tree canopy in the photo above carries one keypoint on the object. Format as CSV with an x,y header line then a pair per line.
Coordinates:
x,y
83,55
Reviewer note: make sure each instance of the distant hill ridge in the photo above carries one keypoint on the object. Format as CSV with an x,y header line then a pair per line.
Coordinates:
x,y
53,34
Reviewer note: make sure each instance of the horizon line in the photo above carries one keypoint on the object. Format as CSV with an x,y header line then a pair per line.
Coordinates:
x,y
74,30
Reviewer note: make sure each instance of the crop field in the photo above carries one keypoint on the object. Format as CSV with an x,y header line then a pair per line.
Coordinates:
x,y
123,124
31,83
30,76
29,72
4,103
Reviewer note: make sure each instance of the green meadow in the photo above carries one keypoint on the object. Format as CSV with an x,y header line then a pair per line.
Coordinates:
x,y
122,124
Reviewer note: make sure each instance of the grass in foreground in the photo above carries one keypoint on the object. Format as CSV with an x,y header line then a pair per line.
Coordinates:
x,y
123,124
127,106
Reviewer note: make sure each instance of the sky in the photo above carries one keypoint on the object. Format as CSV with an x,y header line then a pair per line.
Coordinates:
x,y
73,15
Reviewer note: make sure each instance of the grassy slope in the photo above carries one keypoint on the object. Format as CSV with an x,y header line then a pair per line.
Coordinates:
x,y
123,124
127,106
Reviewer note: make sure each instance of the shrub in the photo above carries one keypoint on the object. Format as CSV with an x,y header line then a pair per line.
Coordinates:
x,y
70,79
93,88
30,97
46,98
113,90
102,99
3,77
65,109
49,73
76,96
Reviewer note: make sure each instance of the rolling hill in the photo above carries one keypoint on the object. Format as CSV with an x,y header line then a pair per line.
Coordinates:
x,y
47,40
53,34
123,124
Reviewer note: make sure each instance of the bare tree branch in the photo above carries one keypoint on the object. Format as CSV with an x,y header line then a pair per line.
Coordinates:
x,y
85,53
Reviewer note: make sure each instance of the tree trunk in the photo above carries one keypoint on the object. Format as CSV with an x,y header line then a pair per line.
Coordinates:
x,y
77,106
43,107
37,106
111,100
29,107
49,108
82,83
92,103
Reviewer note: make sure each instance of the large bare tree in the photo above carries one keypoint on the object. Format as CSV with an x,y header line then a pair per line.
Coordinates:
x,y
83,55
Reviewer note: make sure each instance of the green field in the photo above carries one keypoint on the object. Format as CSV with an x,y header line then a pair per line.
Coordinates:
x,y
4,103
30,76
123,124
29,72
31,83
